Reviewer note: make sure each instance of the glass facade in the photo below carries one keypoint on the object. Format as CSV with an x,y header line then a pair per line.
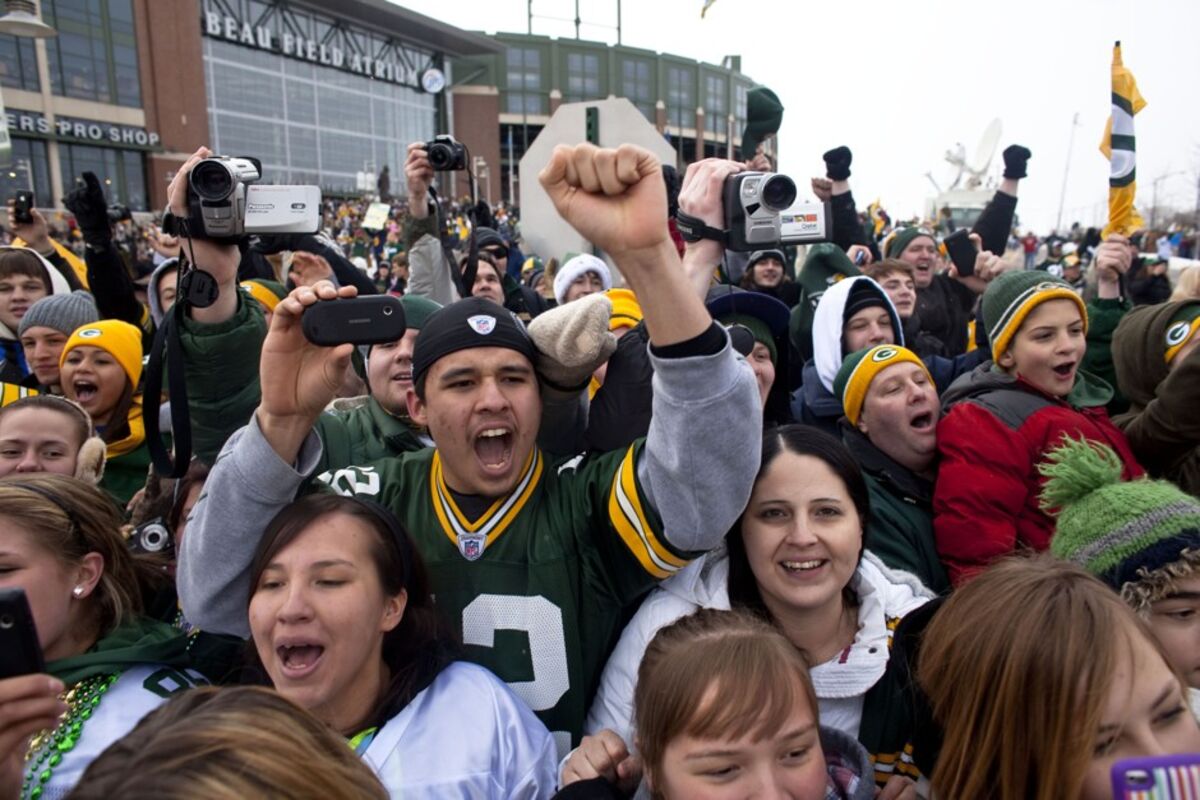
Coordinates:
x,y
637,86
327,124
524,81
583,77
120,171
681,97
94,56
29,169
18,65
716,104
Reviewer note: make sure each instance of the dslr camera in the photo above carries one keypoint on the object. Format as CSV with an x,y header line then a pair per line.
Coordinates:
x,y
446,154
225,201
761,211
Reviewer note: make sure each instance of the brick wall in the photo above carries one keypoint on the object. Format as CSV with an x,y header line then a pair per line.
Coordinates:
x,y
476,110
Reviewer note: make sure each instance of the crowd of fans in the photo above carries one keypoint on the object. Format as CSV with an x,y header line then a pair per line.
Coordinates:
x,y
823,522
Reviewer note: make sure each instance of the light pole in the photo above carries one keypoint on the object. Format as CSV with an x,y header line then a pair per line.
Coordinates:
x,y
1066,171
1154,196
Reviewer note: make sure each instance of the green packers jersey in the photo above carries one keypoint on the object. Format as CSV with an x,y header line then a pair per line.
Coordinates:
x,y
538,584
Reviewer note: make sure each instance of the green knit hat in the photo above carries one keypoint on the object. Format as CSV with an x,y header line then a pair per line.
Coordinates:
x,y
1137,535
1010,298
901,239
762,333
825,265
853,379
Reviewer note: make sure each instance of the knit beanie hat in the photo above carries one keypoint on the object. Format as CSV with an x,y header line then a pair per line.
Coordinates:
x,y
575,267
862,295
469,323
1135,535
759,329
120,339
759,255
268,293
1011,297
626,312
61,312
903,237
854,378
1180,330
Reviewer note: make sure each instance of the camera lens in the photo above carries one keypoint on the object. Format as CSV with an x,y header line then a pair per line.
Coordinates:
x,y
211,180
387,311
6,621
440,157
778,192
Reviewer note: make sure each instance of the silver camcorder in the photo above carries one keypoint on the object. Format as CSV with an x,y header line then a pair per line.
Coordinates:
x,y
224,201
761,211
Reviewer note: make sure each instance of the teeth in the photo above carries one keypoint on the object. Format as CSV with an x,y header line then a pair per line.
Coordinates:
x,y
493,433
802,564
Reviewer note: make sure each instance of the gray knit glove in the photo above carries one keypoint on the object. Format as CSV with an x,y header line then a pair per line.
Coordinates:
x,y
573,340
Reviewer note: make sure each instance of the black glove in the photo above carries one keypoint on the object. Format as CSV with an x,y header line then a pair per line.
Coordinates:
x,y
87,202
1015,157
837,163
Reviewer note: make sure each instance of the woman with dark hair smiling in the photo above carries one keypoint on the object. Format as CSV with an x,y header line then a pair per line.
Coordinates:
x,y
797,559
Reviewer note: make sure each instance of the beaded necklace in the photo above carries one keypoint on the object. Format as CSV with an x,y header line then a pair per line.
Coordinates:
x,y
47,749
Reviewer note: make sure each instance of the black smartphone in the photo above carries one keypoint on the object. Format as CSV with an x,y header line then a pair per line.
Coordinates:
x,y
372,319
962,252
23,207
20,653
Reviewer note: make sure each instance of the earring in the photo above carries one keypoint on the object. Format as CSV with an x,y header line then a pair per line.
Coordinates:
x,y
77,591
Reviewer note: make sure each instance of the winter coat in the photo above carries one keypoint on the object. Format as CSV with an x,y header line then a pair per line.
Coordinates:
x,y
857,691
994,432
1163,421
1103,318
359,431
900,529
945,307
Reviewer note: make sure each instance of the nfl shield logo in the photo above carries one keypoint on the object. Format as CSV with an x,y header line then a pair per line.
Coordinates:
x,y
471,546
482,324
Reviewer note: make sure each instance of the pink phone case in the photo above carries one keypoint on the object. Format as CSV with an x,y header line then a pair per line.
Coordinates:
x,y
1174,777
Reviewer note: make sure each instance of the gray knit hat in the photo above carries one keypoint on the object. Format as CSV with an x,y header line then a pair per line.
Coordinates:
x,y
61,312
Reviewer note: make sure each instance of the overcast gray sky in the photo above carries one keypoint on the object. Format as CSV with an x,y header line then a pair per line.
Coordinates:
x,y
900,83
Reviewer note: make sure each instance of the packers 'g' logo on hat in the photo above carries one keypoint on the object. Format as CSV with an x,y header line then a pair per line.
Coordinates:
x,y
90,333
482,324
1178,333
882,354
1048,285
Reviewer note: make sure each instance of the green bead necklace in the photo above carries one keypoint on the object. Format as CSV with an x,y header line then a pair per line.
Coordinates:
x,y
47,749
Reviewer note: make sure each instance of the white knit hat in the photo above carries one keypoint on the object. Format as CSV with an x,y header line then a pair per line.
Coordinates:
x,y
575,267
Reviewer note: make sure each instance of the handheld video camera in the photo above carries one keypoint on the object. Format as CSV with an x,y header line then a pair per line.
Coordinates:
x,y
446,154
761,211
224,202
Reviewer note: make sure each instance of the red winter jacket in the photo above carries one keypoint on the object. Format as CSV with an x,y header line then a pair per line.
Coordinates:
x,y
995,431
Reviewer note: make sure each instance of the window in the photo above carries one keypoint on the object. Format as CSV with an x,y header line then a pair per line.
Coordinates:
x,y
681,97
583,77
18,66
121,171
524,81
29,169
94,56
716,105
635,84
739,110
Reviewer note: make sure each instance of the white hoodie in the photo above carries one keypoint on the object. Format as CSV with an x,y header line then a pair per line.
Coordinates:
x,y
58,285
829,321
883,594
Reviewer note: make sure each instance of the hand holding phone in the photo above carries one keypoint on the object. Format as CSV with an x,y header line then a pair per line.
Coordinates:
x,y
962,252
23,203
372,319
1173,777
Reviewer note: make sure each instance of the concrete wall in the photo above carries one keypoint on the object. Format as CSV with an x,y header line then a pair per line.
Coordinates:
x,y
544,232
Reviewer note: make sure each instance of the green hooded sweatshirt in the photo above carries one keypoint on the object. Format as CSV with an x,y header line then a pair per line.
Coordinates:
x,y
135,642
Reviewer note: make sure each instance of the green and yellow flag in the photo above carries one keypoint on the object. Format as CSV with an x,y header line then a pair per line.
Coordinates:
x,y
704,10
1118,147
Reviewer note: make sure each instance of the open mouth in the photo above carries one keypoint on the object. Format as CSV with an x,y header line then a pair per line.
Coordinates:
x,y
923,421
1065,371
803,568
493,448
403,377
300,659
85,391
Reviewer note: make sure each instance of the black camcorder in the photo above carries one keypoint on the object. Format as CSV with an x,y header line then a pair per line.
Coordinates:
x,y
446,154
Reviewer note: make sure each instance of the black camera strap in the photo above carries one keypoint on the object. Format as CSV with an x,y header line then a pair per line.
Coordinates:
x,y
693,229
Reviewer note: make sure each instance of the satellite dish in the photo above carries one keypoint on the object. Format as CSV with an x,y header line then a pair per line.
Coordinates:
x,y
956,157
984,151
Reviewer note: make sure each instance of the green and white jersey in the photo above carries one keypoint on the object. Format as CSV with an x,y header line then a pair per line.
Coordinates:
x,y
537,585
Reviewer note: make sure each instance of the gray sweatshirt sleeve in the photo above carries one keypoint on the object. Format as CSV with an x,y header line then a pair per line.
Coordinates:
x,y
249,484
428,273
702,450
